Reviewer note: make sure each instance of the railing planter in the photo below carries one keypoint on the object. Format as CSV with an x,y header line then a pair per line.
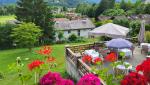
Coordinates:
x,y
75,66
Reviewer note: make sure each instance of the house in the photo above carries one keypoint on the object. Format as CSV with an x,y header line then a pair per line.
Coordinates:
x,y
146,1
79,27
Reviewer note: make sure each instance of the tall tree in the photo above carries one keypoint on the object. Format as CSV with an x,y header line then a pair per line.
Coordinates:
x,y
103,5
126,5
37,11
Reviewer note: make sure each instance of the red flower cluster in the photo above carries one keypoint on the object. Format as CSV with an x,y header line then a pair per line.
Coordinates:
x,y
87,59
112,57
96,60
46,50
134,79
50,59
145,68
35,64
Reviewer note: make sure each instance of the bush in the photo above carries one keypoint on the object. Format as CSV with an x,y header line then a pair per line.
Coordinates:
x,y
99,23
147,36
114,12
26,35
72,38
135,27
1,75
104,38
80,39
123,22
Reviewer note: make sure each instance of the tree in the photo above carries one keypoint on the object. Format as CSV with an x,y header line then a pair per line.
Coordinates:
x,y
104,5
126,5
5,40
123,22
114,12
38,12
26,35
147,9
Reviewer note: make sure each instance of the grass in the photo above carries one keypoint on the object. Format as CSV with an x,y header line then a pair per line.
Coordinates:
x,y
4,19
8,57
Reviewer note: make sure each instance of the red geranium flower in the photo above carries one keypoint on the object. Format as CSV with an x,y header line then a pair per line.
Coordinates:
x,y
87,58
50,59
134,78
145,68
96,60
35,64
46,50
112,57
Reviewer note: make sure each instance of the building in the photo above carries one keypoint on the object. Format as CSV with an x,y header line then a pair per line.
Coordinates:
x,y
79,27
146,1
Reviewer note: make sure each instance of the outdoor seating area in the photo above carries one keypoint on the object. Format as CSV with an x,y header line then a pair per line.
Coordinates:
x,y
122,52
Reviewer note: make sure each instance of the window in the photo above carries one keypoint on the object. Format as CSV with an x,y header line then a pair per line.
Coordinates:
x,y
78,32
69,31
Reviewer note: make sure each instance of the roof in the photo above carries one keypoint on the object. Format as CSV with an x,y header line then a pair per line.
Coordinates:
x,y
147,1
111,30
74,24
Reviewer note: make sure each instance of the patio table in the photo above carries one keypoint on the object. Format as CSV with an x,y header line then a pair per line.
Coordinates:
x,y
91,53
128,52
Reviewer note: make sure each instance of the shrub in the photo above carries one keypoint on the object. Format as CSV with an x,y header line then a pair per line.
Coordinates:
x,y
114,12
123,22
134,79
1,75
89,79
147,36
60,36
99,23
72,38
26,35
145,68
135,27
54,79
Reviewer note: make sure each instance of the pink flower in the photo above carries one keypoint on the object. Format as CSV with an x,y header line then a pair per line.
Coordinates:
x,y
89,79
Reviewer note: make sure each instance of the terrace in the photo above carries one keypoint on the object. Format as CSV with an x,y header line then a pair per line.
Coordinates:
x,y
77,68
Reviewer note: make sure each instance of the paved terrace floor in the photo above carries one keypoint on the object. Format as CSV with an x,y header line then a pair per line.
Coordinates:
x,y
137,57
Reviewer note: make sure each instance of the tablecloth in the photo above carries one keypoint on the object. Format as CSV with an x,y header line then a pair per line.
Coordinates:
x,y
92,53
128,52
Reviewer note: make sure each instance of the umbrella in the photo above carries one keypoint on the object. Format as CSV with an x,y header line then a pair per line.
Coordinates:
x,y
142,32
119,43
110,30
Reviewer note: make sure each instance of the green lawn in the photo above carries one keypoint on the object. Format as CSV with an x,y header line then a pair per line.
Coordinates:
x,y
9,56
3,19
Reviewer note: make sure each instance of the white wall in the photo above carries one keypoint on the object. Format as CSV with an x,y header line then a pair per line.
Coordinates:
x,y
83,33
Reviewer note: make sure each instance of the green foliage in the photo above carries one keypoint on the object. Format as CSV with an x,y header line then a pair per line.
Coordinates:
x,y
72,37
114,12
123,22
38,12
135,27
130,12
126,5
60,35
99,23
147,27
1,76
7,10
5,40
86,9
147,36
147,9
26,35
103,5
59,15
140,9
